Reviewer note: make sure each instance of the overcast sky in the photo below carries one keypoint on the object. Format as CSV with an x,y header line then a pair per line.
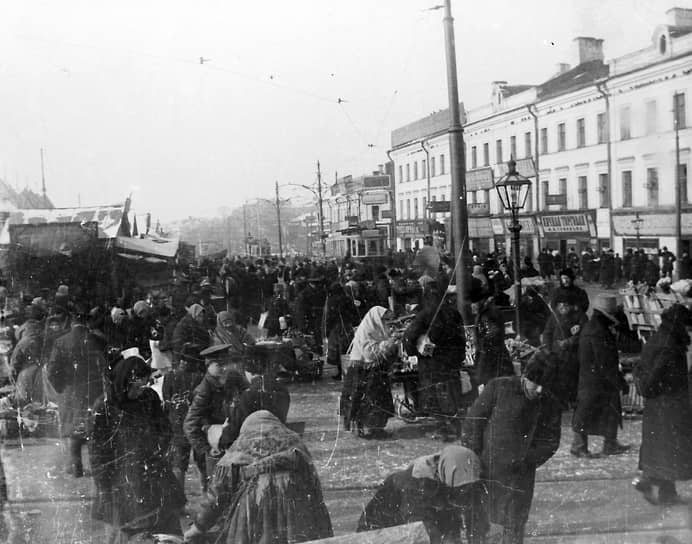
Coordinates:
x,y
115,94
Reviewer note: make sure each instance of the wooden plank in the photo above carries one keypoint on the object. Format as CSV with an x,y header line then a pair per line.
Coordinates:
x,y
412,533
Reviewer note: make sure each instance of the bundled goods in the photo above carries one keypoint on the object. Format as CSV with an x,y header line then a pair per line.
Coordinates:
x,y
682,287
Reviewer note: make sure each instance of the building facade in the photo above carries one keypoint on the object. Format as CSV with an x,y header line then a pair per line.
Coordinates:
x,y
598,140
359,214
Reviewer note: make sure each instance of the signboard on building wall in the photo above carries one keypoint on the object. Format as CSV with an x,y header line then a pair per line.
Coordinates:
x,y
374,198
501,226
479,179
386,214
480,227
652,224
439,206
560,225
479,208
410,228
556,200
370,182
525,167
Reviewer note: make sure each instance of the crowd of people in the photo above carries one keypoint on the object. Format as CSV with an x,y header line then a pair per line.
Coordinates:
x,y
181,367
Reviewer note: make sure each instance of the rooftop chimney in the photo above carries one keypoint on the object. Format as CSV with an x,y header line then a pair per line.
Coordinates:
x,y
588,49
679,17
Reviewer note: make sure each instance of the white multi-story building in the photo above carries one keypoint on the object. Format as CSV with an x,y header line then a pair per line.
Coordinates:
x,y
598,140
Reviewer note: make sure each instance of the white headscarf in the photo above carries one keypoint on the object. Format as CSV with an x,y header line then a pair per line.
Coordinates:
x,y
371,330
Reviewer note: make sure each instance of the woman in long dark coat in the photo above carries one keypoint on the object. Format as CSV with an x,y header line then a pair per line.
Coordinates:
x,y
599,411
439,386
661,374
340,318
137,491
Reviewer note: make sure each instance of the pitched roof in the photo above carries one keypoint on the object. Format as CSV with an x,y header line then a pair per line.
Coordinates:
x,y
582,75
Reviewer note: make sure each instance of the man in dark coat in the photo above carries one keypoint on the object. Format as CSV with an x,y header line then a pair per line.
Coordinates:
x,y
514,427
661,374
76,369
598,408
310,308
191,330
439,386
211,402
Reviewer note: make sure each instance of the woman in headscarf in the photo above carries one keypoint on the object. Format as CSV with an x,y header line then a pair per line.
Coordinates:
x,y
661,374
366,399
191,329
442,490
137,491
230,333
264,489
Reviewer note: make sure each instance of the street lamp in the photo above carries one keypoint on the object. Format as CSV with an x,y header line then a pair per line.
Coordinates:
x,y
513,189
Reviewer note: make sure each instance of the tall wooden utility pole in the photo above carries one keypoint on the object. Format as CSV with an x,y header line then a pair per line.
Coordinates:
x,y
460,227
321,212
278,220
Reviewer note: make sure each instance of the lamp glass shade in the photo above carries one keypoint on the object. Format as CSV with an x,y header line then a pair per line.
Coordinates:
x,y
513,188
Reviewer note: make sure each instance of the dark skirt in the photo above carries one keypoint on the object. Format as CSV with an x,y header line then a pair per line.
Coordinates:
x,y
439,388
366,398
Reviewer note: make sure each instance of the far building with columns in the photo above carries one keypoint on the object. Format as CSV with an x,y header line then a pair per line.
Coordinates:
x,y
597,139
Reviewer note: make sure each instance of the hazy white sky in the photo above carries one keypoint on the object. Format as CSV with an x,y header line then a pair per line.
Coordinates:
x,y
115,93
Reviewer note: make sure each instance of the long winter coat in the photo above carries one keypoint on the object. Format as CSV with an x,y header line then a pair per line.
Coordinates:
x,y
513,436
493,358
598,409
189,331
439,386
76,369
564,345
666,450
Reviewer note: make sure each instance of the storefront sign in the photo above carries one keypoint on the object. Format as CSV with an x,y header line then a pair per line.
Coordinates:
x,y
651,224
376,181
439,206
480,227
502,226
573,223
479,179
372,233
375,197
410,228
525,167
479,208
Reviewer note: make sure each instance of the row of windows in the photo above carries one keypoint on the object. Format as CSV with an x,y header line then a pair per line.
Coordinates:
x,y
625,125
423,172
652,187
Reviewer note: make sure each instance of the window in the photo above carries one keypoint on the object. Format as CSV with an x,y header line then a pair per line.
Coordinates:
x,y
401,209
442,164
652,187
425,204
662,44
474,197
433,198
498,151
513,147
651,117
415,170
682,172
581,133
527,145
544,140
602,128
604,190
561,137
545,186
408,208
432,166
679,110
625,133
627,189
474,157
375,213
401,174
563,191
583,194
415,208
423,171
486,154
408,172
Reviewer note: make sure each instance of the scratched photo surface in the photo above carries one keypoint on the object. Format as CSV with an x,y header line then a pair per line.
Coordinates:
x,y
367,271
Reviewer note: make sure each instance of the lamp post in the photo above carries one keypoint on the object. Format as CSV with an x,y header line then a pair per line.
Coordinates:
x,y
637,222
513,189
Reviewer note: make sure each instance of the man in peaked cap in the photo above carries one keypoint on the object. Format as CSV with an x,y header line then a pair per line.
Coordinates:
x,y
211,402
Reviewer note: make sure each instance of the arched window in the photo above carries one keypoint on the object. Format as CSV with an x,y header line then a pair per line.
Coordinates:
x,y
662,44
